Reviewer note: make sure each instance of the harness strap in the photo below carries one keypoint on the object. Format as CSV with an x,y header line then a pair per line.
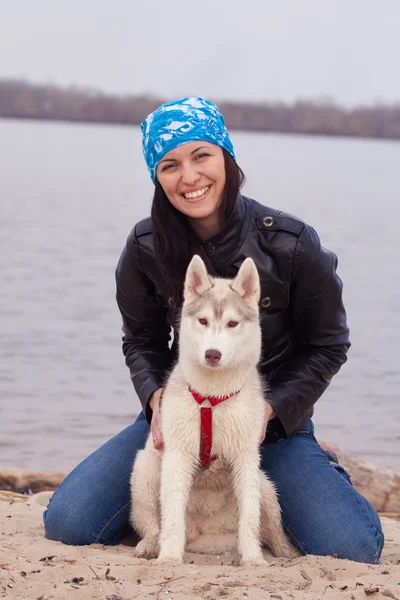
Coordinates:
x,y
206,424
206,436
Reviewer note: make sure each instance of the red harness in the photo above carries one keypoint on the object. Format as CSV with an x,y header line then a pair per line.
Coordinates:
x,y
206,424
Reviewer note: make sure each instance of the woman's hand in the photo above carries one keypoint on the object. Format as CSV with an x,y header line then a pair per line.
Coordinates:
x,y
269,414
155,421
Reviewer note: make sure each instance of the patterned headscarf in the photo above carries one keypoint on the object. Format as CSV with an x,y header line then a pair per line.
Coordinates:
x,y
177,123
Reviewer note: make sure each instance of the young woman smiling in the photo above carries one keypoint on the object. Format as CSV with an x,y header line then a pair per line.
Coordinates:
x,y
198,209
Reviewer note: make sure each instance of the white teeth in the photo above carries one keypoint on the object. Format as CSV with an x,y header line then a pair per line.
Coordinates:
x,y
198,193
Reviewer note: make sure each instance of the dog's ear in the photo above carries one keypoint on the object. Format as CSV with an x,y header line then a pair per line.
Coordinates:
x,y
197,279
247,281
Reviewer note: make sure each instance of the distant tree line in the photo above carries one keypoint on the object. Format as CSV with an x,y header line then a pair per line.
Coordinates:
x,y
23,100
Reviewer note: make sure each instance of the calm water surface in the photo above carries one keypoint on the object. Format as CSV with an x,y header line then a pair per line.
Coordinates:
x,y
69,195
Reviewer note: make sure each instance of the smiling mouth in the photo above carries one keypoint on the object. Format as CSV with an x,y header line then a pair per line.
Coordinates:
x,y
198,195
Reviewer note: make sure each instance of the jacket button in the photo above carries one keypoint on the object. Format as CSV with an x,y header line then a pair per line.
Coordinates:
x,y
265,302
171,302
268,221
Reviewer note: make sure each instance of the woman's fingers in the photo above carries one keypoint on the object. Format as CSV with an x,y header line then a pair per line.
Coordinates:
x,y
155,427
268,415
157,437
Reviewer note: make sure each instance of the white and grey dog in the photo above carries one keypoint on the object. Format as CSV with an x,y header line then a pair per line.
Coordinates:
x,y
205,492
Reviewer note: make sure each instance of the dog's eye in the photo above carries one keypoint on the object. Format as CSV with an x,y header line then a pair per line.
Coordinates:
x,y
203,321
232,323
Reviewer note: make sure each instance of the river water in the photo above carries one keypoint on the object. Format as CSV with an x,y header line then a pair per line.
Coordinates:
x,y
70,194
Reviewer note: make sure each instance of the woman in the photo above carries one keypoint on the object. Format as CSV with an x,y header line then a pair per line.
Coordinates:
x,y
197,209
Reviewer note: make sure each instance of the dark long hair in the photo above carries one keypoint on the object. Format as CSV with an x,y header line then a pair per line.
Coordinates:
x,y
172,232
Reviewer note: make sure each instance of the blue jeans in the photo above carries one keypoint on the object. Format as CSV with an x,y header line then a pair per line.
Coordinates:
x,y
322,512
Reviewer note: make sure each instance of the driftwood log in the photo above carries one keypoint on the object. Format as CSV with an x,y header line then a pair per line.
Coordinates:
x,y
380,486
37,481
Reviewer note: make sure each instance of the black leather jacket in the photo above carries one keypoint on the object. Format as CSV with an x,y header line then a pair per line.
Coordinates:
x,y
304,332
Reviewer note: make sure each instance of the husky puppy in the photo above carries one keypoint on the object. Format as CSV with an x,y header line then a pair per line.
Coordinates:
x,y
205,491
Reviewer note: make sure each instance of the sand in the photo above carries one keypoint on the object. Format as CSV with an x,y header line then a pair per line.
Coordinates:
x,y
34,568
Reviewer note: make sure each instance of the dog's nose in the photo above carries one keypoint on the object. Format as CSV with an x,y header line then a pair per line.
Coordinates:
x,y
213,356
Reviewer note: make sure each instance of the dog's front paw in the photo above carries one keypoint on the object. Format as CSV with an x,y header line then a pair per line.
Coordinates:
x,y
253,559
170,559
147,548
253,562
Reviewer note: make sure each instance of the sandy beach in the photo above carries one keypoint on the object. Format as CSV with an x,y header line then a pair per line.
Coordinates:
x,y
34,568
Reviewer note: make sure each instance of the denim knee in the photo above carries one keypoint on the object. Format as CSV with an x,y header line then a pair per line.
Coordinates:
x,y
92,504
78,526
365,548
60,526
364,543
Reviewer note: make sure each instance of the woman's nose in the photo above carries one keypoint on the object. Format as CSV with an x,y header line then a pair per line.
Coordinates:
x,y
190,174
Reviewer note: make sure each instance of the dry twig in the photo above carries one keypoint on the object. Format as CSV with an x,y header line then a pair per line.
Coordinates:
x,y
93,571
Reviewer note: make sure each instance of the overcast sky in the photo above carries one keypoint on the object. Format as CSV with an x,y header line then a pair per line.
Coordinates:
x,y
348,50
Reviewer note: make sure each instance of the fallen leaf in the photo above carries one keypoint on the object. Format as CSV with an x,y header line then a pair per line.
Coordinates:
x,y
74,580
108,576
388,594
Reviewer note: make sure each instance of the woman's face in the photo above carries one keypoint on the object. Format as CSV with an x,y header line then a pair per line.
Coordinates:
x,y
193,178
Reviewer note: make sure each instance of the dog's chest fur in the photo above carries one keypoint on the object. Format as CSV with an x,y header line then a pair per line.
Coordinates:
x,y
234,421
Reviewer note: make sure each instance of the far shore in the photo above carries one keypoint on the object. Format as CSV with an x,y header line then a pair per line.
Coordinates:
x,y
25,100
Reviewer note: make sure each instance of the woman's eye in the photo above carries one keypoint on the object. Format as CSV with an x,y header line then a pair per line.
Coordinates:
x,y
204,154
233,323
203,321
167,168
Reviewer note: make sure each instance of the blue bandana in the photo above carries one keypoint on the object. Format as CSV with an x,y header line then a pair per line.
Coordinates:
x,y
178,123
